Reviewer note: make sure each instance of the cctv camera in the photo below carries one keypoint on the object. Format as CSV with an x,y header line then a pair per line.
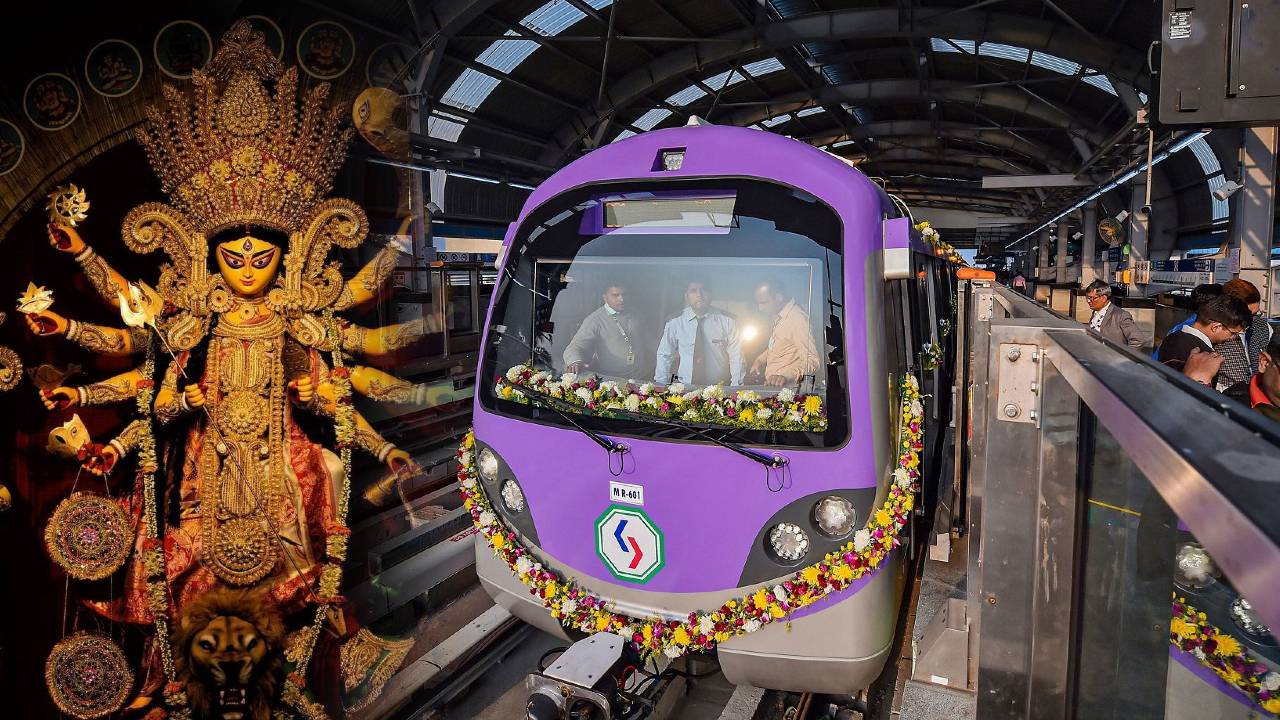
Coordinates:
x,y
1228,189
1122,216
1144,212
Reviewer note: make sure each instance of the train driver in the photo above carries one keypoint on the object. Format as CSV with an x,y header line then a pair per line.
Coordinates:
x,y
702,340
608,341
791,354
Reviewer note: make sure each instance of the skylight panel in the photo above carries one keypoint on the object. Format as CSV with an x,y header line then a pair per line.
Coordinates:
x,y
505,55
652,118
842,143
776,120
443,128
1208,161
469,90
1102,82
557,15
624,135
763,67
811,111
950,46
1004,52
1055,63
717,81
686,96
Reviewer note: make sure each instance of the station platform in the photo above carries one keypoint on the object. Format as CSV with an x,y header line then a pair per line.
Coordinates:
x,y
1104,544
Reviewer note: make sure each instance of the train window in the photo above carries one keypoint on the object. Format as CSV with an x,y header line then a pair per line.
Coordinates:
x,y
461,307
747,295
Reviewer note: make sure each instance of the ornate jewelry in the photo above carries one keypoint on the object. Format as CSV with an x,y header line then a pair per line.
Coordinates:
x,y
88,536
1246,619
243,552
10,369
88,676
244,414
106,392
371,661
67,205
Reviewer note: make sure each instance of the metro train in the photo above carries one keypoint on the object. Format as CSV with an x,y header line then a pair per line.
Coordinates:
x,y
760,377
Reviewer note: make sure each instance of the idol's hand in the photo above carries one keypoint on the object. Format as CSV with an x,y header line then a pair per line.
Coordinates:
x,y
47,322
194,396
98,459
400,463
575,368
65,239
302,390
60,398
775,381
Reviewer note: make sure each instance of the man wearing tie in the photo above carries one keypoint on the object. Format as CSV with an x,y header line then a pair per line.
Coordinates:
x,y
608,340
703,340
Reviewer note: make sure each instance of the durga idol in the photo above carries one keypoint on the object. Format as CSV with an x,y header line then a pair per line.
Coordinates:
x,y
235,501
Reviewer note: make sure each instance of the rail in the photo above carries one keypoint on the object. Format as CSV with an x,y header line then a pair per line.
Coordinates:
x,y
1097,481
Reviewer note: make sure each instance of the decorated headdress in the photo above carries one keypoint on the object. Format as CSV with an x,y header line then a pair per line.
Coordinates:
x,y
244,149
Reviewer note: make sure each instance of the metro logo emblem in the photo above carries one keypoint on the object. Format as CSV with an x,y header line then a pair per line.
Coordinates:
x,y
629,544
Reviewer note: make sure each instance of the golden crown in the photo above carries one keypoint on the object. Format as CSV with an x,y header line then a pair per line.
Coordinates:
x,y
238,153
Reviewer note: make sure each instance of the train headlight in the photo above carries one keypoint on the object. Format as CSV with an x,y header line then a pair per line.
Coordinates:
x,y
834,516
487,462
672,160
789,542
513,496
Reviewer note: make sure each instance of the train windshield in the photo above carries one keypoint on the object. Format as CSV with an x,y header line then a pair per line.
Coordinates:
x,y
673,309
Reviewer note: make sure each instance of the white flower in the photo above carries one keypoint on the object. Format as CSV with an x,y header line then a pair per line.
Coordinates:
x,y
795,416
609,387
469,483
672,652
584,395
706,626
646,389
514,373
780,593
917,408
540,377
1198,653
764,414
912,382
902,478
690,414
786,395
652,401
465,460
568,379
691,396
557,391
1271,681
719,410
523,565
748,396
568,606
712,392
632,402
751,626
676,389
487,518
861,540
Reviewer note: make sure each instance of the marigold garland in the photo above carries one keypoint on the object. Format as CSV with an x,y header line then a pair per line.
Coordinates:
x,y
576,607
1191,632
712,405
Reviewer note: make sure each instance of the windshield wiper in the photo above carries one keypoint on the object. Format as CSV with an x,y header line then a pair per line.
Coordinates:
x,y
551,404
774,461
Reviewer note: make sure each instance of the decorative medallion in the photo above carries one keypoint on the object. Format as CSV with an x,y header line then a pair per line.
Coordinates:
x,y
12,147
386,65
243,552
88,536
88,676
271,33
244,415
326,50
51,101
181,48
10,369
67,205
113,68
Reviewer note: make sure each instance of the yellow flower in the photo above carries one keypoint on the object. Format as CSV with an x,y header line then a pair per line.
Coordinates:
x,y
722,636
812,404
470,441
498,541
908,502
602,623
1183,629
1227,645
842,572
551,589
776,611
882,517
732,604
761,598
810,575
647,633
506,392
1272,705
747,415
676,399
681,636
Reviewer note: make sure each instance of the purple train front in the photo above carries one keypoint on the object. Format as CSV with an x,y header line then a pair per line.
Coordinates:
x,y
657,267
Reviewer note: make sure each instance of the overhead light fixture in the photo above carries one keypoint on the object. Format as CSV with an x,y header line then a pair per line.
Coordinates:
x,y
1077,235
1228,189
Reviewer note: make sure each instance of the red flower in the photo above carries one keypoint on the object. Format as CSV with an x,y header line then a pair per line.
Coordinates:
x,y
340,372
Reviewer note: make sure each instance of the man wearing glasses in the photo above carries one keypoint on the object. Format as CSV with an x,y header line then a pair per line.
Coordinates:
x,y
1111,322
1217,320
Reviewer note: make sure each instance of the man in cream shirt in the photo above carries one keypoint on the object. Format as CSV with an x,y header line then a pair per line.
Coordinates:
x,y
791,354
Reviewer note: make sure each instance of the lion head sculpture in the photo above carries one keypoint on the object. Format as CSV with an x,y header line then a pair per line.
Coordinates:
x,y
229,654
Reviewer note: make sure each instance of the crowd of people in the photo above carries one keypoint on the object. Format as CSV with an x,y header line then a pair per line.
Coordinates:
x,y
1226,343
701,346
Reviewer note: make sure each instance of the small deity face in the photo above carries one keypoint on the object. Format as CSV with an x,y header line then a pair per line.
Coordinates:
x,y
248,264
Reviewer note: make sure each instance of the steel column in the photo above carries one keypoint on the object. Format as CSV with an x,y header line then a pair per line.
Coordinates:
x,y
1089,226
1139,227
1045,246
1252,227
1064,237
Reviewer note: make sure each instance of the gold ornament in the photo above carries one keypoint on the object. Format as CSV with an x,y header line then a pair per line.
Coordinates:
x,y
371,661
243,551
67,439
10,369
88,676
6,498
244,414
88,536
35,299
67,206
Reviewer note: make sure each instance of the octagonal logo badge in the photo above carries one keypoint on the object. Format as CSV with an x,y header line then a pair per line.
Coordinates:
x,y
629,544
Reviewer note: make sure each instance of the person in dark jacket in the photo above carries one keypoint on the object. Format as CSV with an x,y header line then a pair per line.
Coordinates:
x,y
1217,320
1109,320
1200,294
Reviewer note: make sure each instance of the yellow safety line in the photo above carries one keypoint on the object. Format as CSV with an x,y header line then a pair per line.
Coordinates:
x,y
1126,511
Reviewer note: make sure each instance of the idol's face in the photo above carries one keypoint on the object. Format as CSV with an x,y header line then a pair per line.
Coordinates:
x,y
248,264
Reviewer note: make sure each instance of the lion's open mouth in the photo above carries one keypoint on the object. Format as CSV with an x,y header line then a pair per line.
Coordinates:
x,y
232,703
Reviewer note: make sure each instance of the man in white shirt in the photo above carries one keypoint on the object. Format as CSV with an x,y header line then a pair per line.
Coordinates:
x,y
700,346
1111,322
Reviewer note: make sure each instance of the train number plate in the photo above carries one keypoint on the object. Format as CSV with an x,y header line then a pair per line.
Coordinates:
x,y
626,493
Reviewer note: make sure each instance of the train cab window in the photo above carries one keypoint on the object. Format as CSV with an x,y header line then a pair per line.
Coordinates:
x,y
694,284
460,303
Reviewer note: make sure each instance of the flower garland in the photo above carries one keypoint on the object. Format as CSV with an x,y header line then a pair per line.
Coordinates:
x,y
1191,632
712,405
576,607
931,356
